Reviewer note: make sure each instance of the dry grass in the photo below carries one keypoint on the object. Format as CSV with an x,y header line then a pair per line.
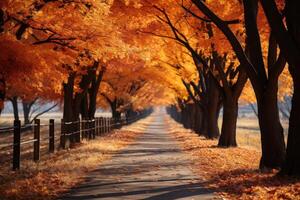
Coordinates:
x,y
248,133
233,172
56,173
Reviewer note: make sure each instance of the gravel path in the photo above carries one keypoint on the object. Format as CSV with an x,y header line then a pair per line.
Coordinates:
x,y
152,168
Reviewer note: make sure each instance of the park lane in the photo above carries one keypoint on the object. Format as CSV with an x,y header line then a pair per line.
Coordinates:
x,y
152,168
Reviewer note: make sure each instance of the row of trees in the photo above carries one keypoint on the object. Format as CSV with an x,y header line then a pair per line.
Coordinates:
x,y
264,77
133,54
73,53
227,44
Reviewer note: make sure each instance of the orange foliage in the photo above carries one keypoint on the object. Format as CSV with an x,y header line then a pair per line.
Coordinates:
x,y
122,34
232,172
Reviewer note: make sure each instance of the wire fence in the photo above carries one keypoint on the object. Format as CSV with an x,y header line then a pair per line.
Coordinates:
x,y
45,138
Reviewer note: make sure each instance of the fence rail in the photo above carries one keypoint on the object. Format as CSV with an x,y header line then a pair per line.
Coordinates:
x,y
71,132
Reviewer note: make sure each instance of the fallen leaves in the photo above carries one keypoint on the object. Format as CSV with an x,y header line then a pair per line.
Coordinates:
x,y
233,172
57,173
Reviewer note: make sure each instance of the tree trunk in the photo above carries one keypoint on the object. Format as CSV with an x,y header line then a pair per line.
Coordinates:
x,y
187,117
2,92
14,102
68,98
291,166
204,124
184,116
71,108
27,109
26,112
228,131
213,111
272,138
198,120
85,107
193,116
93,92
115,114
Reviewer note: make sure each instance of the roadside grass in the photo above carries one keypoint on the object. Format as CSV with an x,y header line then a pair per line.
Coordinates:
x,y
55,174
233,172
248,133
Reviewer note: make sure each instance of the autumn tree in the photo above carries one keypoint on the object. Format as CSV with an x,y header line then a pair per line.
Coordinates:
x,y
287,37
214,71
264,80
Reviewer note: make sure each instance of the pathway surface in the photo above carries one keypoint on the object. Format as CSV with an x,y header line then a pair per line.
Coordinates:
x,y
152,168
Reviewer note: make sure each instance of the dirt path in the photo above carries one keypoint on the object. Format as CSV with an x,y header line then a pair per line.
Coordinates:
x,y
152,168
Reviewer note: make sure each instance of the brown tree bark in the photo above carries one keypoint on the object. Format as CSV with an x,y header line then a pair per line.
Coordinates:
x,y
2,92
254,67
228,130
198,120
292,163
70,112
93,91
27,109
68,88
289,43
213,110
115,113
272,138
14,102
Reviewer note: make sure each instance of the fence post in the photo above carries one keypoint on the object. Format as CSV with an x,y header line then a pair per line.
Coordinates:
x,y
110,124
101,125
63,135
97,126
79,130
83,128
88,126
113,124
94,128
106,124
51,136
68,137
17,145
89,129
77,127
36,144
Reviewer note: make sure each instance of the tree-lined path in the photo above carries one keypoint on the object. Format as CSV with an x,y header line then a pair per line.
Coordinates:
x,y
152,168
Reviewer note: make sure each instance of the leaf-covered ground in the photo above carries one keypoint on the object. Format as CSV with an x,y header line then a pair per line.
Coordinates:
x,y
233,172
56,173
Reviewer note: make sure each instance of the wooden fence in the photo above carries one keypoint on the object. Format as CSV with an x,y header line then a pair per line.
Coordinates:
x,y
71,132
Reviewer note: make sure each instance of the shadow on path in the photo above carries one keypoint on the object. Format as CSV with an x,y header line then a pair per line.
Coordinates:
x,y
152,168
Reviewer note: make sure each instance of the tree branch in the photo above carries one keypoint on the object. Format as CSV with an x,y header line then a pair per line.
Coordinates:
x,y
43,112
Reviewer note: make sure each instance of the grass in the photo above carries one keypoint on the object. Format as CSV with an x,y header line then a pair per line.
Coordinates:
x,y
248,133
56,173
6,141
